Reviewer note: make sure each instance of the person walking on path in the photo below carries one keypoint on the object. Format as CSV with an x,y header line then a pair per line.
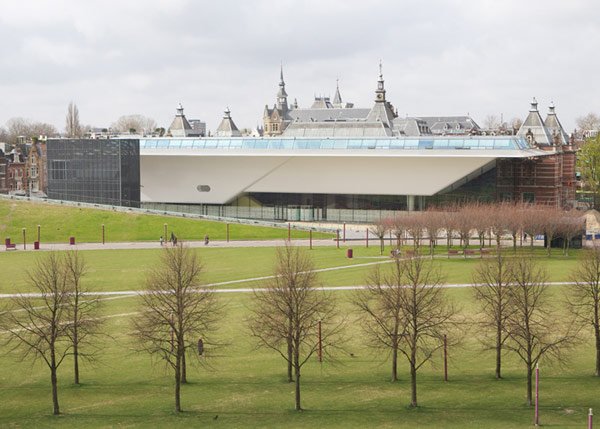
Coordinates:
x,y
205,239
161,240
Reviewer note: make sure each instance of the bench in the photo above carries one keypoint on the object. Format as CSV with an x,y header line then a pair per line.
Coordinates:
x,y
485,251
11,246
469,252
452,252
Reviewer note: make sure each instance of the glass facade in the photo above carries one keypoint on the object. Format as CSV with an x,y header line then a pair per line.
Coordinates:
x,y
447,143
104,171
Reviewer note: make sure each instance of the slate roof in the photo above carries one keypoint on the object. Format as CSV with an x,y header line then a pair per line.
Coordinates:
x,y
450,125
227,127
180,127
325,114
535,125
337,129
554,126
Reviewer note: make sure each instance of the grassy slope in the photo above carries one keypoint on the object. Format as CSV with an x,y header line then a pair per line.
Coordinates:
x,y
58,223
246,387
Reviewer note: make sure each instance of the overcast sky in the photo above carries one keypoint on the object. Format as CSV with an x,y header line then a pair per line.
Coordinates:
x,y
439,57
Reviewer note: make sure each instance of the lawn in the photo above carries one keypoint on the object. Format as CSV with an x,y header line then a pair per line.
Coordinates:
x,y
246,387
58,223
120,270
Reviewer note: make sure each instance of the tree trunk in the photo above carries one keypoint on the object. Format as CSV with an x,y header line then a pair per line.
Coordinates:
x,y
75,355
55,408
297,374
290,378
178,383
183,368
413,385
514,236
498,351
395,364
381,245
529,376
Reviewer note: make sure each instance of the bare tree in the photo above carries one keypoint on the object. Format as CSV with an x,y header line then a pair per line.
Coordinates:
x,y
589,122
498,224
463,224
433,224
17,127
494,275
72,127
42,330
380,229
175,310
491,122
84,321
552,221
427,315
398,227
584,297
572,225
414,226
137,123
534,328
515,124
514,218
383,318
286,313
533,223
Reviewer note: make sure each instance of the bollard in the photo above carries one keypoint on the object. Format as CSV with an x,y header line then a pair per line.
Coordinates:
x,y
310,238
228,233
39,227
590,419
102,233
445,360
24,241
537,393
344,232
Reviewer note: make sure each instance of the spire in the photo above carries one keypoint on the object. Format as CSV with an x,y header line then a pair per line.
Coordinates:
x,y
380,92
179,110
534,104
337,98
551,108
281,94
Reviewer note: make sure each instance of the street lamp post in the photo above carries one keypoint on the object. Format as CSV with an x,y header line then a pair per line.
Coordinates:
x,y
102,233
24,241
39,227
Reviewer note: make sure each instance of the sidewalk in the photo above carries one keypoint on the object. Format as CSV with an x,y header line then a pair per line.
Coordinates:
x,y
156,244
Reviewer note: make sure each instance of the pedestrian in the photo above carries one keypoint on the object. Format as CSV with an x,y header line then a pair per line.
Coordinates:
x,y
205,239
172,237
174,240
161,240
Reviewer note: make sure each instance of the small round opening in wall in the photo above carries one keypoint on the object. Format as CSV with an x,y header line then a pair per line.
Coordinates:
x,y
203,188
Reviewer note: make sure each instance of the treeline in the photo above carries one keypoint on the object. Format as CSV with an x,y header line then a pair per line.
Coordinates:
x,y
482,221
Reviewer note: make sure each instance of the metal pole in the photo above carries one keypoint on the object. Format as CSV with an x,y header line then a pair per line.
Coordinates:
x,y
338,238
344,232
228,233
24,241
445,360
367,238
537,393
310,238
590,419
165,232
39,227
102,233
289,231
320,344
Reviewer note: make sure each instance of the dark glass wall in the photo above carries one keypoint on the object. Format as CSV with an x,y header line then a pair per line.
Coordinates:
x,y
105,171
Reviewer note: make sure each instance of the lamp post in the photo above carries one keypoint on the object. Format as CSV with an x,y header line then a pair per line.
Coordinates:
x,y
24,241
165,232
445,360
102,233
39,227
590,419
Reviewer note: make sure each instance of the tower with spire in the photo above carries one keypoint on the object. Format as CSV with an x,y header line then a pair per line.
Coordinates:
x,y
381,111
180,127
276,119
227,127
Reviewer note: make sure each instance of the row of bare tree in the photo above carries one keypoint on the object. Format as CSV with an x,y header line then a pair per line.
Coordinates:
x,y
404,310
494,221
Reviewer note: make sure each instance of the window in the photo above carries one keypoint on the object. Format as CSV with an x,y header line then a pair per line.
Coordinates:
x,y
528,197
275,127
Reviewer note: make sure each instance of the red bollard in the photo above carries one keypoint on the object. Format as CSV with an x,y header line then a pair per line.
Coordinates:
x,y
367,238
310,238
344,232
289,231
228,233
590,419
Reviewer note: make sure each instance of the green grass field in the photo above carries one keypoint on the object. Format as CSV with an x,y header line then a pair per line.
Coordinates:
x,y
246,386
58,223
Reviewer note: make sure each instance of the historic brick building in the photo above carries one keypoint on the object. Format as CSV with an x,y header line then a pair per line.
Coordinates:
x,y
548,179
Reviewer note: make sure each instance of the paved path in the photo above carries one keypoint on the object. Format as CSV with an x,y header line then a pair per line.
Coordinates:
x,y
156,244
